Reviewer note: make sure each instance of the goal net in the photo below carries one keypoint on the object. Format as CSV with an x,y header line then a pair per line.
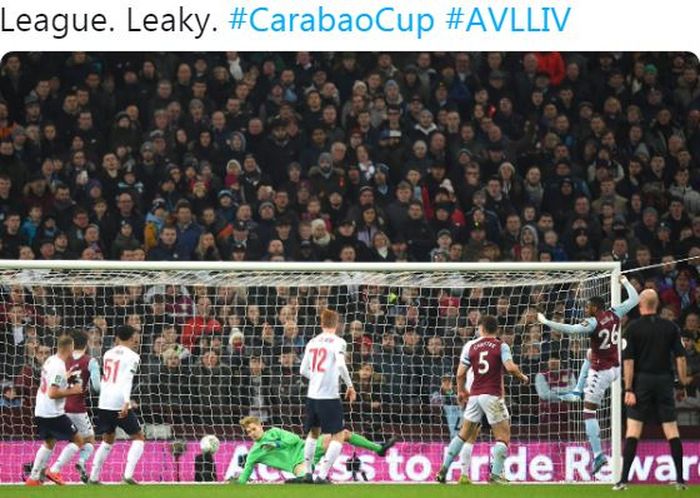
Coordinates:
x,y
219,342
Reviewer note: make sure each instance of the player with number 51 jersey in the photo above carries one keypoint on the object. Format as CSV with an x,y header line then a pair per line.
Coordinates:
x,y
119,366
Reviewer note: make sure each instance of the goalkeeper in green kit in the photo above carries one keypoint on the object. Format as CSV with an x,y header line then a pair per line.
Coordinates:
x,y
284,450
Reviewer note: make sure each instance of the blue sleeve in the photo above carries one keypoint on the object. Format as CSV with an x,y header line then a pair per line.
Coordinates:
x,y
506,355
543,390
588,326
632,300
94,369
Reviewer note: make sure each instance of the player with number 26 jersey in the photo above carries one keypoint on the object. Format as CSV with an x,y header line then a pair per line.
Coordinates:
x,y
604,341
602,367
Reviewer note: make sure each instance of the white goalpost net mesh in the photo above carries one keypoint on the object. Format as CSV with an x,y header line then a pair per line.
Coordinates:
x,y
219,345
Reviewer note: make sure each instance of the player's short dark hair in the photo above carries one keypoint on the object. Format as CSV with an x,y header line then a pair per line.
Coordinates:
x,y
80,339
125,332
598,302
489,323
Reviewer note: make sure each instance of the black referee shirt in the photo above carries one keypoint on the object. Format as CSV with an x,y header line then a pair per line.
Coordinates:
x,y
652,343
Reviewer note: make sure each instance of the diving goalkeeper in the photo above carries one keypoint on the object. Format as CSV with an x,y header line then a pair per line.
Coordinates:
x,y
284,450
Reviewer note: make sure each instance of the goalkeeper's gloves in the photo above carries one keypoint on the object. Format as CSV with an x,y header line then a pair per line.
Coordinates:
x,y
541,318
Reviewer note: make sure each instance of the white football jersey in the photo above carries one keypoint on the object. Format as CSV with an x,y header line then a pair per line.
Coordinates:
x,y
119,365
53,373
322,356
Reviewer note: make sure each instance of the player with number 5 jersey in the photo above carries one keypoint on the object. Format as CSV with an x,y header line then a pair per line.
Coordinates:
x,y
602,367
119,366
323,363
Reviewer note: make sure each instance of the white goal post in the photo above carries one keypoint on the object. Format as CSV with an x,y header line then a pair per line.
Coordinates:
x,y
222,340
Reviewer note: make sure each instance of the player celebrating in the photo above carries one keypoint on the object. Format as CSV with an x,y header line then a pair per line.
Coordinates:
x,y
488,356
87,372
50,416
603,327
114,409
322,364
284,450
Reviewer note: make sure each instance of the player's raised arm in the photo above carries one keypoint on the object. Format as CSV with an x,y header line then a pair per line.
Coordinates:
x,y
632,299
585,327
510,366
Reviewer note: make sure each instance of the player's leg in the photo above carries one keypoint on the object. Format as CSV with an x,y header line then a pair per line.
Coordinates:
x,y
465,456
85,429
63,429
634,432
85,453
41,459
312,427
131,426
499,451
66,455
597,384
499,420
577,393
107,426
358,441
472,415
331,415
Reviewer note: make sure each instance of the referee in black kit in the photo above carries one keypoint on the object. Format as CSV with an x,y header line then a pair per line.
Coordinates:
x,y
648,374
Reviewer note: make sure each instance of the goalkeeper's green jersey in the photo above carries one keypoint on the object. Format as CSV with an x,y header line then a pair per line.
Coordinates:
x,y
288,452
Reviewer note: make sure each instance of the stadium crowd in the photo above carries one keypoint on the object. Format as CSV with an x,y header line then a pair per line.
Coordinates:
x,y
342,157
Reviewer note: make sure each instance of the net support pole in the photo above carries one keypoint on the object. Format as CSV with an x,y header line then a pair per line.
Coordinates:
x,y
616,390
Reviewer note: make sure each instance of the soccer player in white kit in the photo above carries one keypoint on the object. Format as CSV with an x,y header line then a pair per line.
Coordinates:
x,y
119,366
86,371
323,363
50,416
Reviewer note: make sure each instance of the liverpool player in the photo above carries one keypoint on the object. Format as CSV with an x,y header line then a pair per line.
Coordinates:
x,y
87,374
50,415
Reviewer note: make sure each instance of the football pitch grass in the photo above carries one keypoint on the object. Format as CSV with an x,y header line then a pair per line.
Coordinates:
x,y
341,491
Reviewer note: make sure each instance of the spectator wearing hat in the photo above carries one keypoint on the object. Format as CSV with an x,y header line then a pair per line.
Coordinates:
x,y
663,242
345,236
381,185
245,241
